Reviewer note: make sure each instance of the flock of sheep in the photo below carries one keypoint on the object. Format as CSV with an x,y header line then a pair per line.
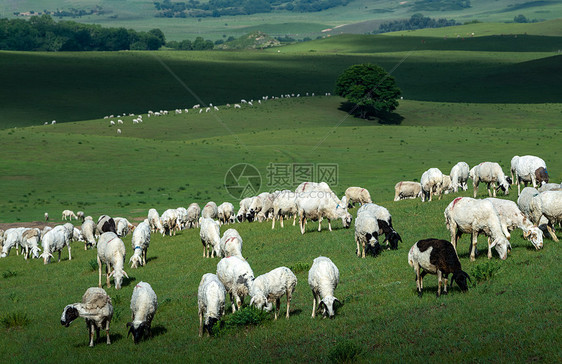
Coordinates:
x,y
535,211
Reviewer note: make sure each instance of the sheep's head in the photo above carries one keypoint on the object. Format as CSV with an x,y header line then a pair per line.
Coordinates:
x,y
373,247
327,305
240,217
135,261
118,277
138,330
69,314
259,301
35,252
460,277
535,236
46,257
209,323
502,246
393,238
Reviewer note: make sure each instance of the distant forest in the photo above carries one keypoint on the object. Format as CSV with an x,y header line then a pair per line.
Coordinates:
x,y
417,21
42,33
217,8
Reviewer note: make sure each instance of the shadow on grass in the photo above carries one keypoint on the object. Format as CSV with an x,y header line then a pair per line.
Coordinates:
x,y
101,340
158,330
151,259
383,118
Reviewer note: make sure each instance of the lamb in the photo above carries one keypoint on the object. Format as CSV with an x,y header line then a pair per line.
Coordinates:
x,y
143,306
549,205
169,221
69,214
512,217
29,242
323,279
284,205
468,215
97,310
230,244
439,257
407,189
210,236
80,215
431,182
111,251
317,205
357,194
106,224
210,210
459,176
225,212
530,169
270,287
123,226
489,173
211,297
154,221
193,213
366,235
384,220
140,243
88,231
237,276
181,213
54,240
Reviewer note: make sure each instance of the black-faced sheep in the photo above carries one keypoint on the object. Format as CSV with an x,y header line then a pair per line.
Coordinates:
x,y
143,307
323,279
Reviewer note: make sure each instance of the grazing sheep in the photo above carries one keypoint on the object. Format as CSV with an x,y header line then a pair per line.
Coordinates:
x,y
80,215
30,242
140,243
357,194
366,235
284,205
550,187
244,208
210,210
193,213
431,183
317,205
12,239
169,221
106,224
237,276
439,257
524,200
530,169
384,220
154,221
489,173
88,231
181,213
69,214
447,185
261,206
323,278
225,212
143,306
549,205
54,240
210,236
46,216
230,244
123,226
313,186
97,310
211,297
407,189
459,176
468,215
512,217
513,168
111,251
270,287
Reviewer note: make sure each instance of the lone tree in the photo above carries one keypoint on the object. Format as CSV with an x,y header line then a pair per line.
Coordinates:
x,y
370,88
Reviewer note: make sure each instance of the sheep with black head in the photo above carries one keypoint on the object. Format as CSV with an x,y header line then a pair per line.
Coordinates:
x,y
143,305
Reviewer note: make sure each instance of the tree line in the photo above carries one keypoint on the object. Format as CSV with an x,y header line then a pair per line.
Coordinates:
x,y
416,21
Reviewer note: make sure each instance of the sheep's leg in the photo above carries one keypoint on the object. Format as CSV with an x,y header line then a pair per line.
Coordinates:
x,y
144,253
473,246
204,248
329,224
60,253
281,220
277,307
439,282
445,283
489,248
551,232
358,250
301,220
91,329
294,219
107,332
273,222
232,302
99,269
419,279
107,271
200,323
69,255
475,186
289,296
313,305
320,224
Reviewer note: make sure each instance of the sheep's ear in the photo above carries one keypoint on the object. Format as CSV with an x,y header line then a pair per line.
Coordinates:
x,y
526,234
111,274
129,324
338,301
125,274
494,243
252,301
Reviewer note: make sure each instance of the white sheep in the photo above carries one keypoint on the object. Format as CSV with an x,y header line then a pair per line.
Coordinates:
x,y
181,213
285,205
357,194
524,200
46,216
88,231
268,288
237,276
512,217
211,297
154,221
489,173
550,187
407,189
169,221
471,216
193,213
317,205
447,185
366,235
244,208
123,226
111,251
80,215
210,210
513,168
549,205
210,236
54,240
144,303
530,169
225,212
230,244
97,310
431,183
313,186
69,214
384,220
12,239
140,243
459,176
323,279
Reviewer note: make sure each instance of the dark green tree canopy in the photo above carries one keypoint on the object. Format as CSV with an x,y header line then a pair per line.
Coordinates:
x,y
370,88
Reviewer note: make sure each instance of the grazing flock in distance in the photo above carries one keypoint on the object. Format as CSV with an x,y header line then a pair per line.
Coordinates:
x,y
536,210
